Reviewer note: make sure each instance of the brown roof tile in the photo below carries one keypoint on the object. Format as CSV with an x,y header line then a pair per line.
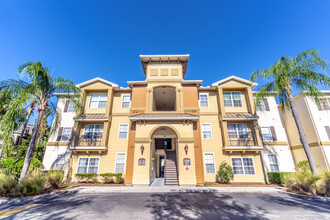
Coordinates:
x,y
239,115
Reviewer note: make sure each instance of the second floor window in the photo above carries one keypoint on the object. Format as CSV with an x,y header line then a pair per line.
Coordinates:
x,y
93,132
70,106
238,131
266,134
98,100
232,99
206,129
126,102
64,134
123,131
203,100
325,103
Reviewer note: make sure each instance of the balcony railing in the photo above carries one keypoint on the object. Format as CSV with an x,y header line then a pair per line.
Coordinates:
x,y
244,139
85,141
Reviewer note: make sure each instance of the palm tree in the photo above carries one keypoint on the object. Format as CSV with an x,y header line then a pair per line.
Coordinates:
x,y
300,73
41,87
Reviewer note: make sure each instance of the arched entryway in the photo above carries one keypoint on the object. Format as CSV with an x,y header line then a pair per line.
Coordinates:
x,y
163,157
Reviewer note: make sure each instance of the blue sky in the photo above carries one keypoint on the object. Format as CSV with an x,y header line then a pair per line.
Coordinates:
x,y
85,39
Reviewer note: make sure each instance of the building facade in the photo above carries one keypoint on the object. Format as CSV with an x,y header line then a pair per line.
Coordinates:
x,y
315,119
168,127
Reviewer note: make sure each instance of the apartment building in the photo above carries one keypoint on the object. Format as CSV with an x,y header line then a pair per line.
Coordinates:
x,y
276,154
315,119
167,127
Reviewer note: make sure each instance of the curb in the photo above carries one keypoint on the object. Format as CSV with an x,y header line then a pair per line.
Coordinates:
x,y
307,197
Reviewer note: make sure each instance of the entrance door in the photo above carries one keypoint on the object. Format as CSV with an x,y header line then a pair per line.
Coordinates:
x,y
161,166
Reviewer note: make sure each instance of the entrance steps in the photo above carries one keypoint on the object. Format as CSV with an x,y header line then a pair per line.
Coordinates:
x,y
171,172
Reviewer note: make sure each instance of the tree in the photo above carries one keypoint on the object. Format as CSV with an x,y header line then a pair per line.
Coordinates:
x,y
41,87
300,73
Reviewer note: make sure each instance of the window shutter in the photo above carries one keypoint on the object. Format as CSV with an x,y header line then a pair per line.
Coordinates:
x,y
66,105
319,107
327,128
272,130
59,135
266,104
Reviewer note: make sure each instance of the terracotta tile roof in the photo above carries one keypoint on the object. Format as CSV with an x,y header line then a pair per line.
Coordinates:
x,y
239,115
169,116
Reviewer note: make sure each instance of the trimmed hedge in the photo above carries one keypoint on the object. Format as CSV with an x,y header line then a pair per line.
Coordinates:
x,y
112,177
87,177
277,177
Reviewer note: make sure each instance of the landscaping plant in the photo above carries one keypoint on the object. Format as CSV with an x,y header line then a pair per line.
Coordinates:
x,y
87,177
225,173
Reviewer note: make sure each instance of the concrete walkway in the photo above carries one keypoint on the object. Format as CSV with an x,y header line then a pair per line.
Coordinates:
x,y
158,182
182,189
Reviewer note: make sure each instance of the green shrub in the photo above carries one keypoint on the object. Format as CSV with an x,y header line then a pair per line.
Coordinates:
x,y
112,177
87,177
225,173
33,184
8,183
305,182
55,178
277,177
303,166
323,185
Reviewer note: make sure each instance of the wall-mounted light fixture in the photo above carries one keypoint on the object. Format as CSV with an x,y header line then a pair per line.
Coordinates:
x,y
142,149
186,149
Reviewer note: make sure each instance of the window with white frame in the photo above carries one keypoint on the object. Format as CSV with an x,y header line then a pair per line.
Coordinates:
x,y
88,165
123,131
72,106
266,134
120,163
273,163
59,163
243,166
93,132
209,163
203,100
325,103
206,129
98,100
126,101
238,131
260,104
66,134
232,99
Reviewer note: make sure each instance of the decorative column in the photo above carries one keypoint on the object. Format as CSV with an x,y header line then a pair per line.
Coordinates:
x,y
150,97
178,98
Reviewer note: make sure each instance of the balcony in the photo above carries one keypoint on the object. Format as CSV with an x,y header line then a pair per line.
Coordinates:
x,y
244,142
87,144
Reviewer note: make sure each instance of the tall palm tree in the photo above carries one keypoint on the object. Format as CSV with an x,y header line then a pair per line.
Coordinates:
x,y
300,73
41,87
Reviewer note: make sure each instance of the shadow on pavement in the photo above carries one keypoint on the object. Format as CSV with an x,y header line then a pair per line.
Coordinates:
x,y
200,206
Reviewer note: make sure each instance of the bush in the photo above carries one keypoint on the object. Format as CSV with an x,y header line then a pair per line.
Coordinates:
x,y
277,177
112,177
87,177
225,173
8,182
55,178
303,166
33,184
323,185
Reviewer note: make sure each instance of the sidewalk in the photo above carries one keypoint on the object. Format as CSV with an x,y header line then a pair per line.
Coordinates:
x,y
173,189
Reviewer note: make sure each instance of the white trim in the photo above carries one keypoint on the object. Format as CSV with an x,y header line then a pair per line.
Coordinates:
x,y
199,82
239,119
252,84
255,173
62,135
232,99
124,162
98,94
328,101
210,131
88,148
205,163
199,101
137,83
64,94
98,164
90,119
270,133
96,80
126,132
244,148
164,118
122,100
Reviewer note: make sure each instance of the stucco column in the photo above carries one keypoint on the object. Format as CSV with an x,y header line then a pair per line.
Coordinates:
x,y
109,103
221,102
150,101
250,100
257,132
105,135
225,134
178,98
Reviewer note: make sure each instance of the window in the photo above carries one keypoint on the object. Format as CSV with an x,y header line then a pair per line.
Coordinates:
x,y
98,100
273,163
232,99
260,104
237,131
59,163
126,101
123,131
66,134
206,128
243,166
93,132
120,163
266,134
72,106
203,100
209,163
141,162
325,103
88,165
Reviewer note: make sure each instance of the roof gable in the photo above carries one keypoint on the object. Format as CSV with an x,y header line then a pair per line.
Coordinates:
x,y
97,79
244,81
